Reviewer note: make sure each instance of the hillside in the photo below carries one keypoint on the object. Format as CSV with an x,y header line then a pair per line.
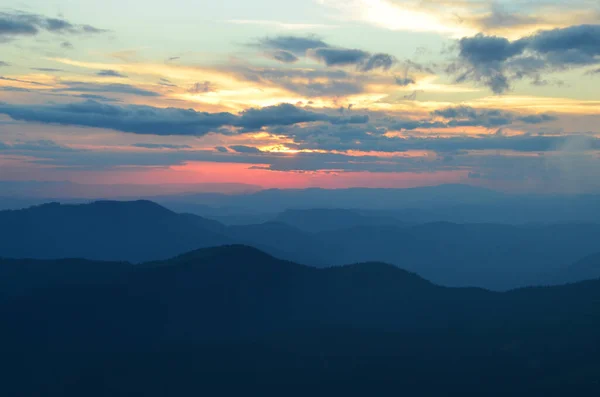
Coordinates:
x,y
193,323
104,230
493,256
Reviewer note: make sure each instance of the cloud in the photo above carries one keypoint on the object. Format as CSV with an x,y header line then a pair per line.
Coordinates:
x,y
166,82
363,60
287,49
202,88
42,145
306,82
66,45
221,149
499,17
377,61
109,73
18,23
165,121
14,89
22,81
371,138
117,88
245,149
293,44
282,56
404,81
467,116
50,70
129,118
496,61
340,56
287,114
4,64
160,146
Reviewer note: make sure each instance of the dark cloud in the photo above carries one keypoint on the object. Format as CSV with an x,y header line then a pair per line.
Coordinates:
x,y
245,149
41,145
404,81
340,56
488,49
306,82
202,88
166,82
14,89
22,81
160,146
372,138
130,118
287,49
497,61
165,121
377,61
17,23
536,118
51,70
109,73
282,56
467,116
288,114
67,45
95,97
2,63
363,60
292,44
221,149
117,88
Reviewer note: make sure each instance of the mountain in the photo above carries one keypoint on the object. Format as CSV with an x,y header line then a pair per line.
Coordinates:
x,y
278,200
587,268
321,220
233,320
104,230
493,256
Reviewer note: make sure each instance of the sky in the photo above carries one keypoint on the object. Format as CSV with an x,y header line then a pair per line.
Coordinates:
x,y
303,93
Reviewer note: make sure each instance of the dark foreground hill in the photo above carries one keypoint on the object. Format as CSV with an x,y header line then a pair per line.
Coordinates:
x,y
235,321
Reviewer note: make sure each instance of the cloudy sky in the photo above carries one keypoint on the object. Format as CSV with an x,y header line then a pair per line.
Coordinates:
x,y
329,93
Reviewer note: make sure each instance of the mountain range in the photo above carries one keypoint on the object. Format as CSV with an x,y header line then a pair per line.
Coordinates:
x,y
493,256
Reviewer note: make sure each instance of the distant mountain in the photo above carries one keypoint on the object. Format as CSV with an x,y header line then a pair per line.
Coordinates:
x,y
485,255
449,203
235,321
587,268
278,200
105,230
493,256
321,220
71,190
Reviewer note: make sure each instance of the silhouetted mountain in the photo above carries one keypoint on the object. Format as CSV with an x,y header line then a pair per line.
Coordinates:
x,y
25,276
233,320
104,230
